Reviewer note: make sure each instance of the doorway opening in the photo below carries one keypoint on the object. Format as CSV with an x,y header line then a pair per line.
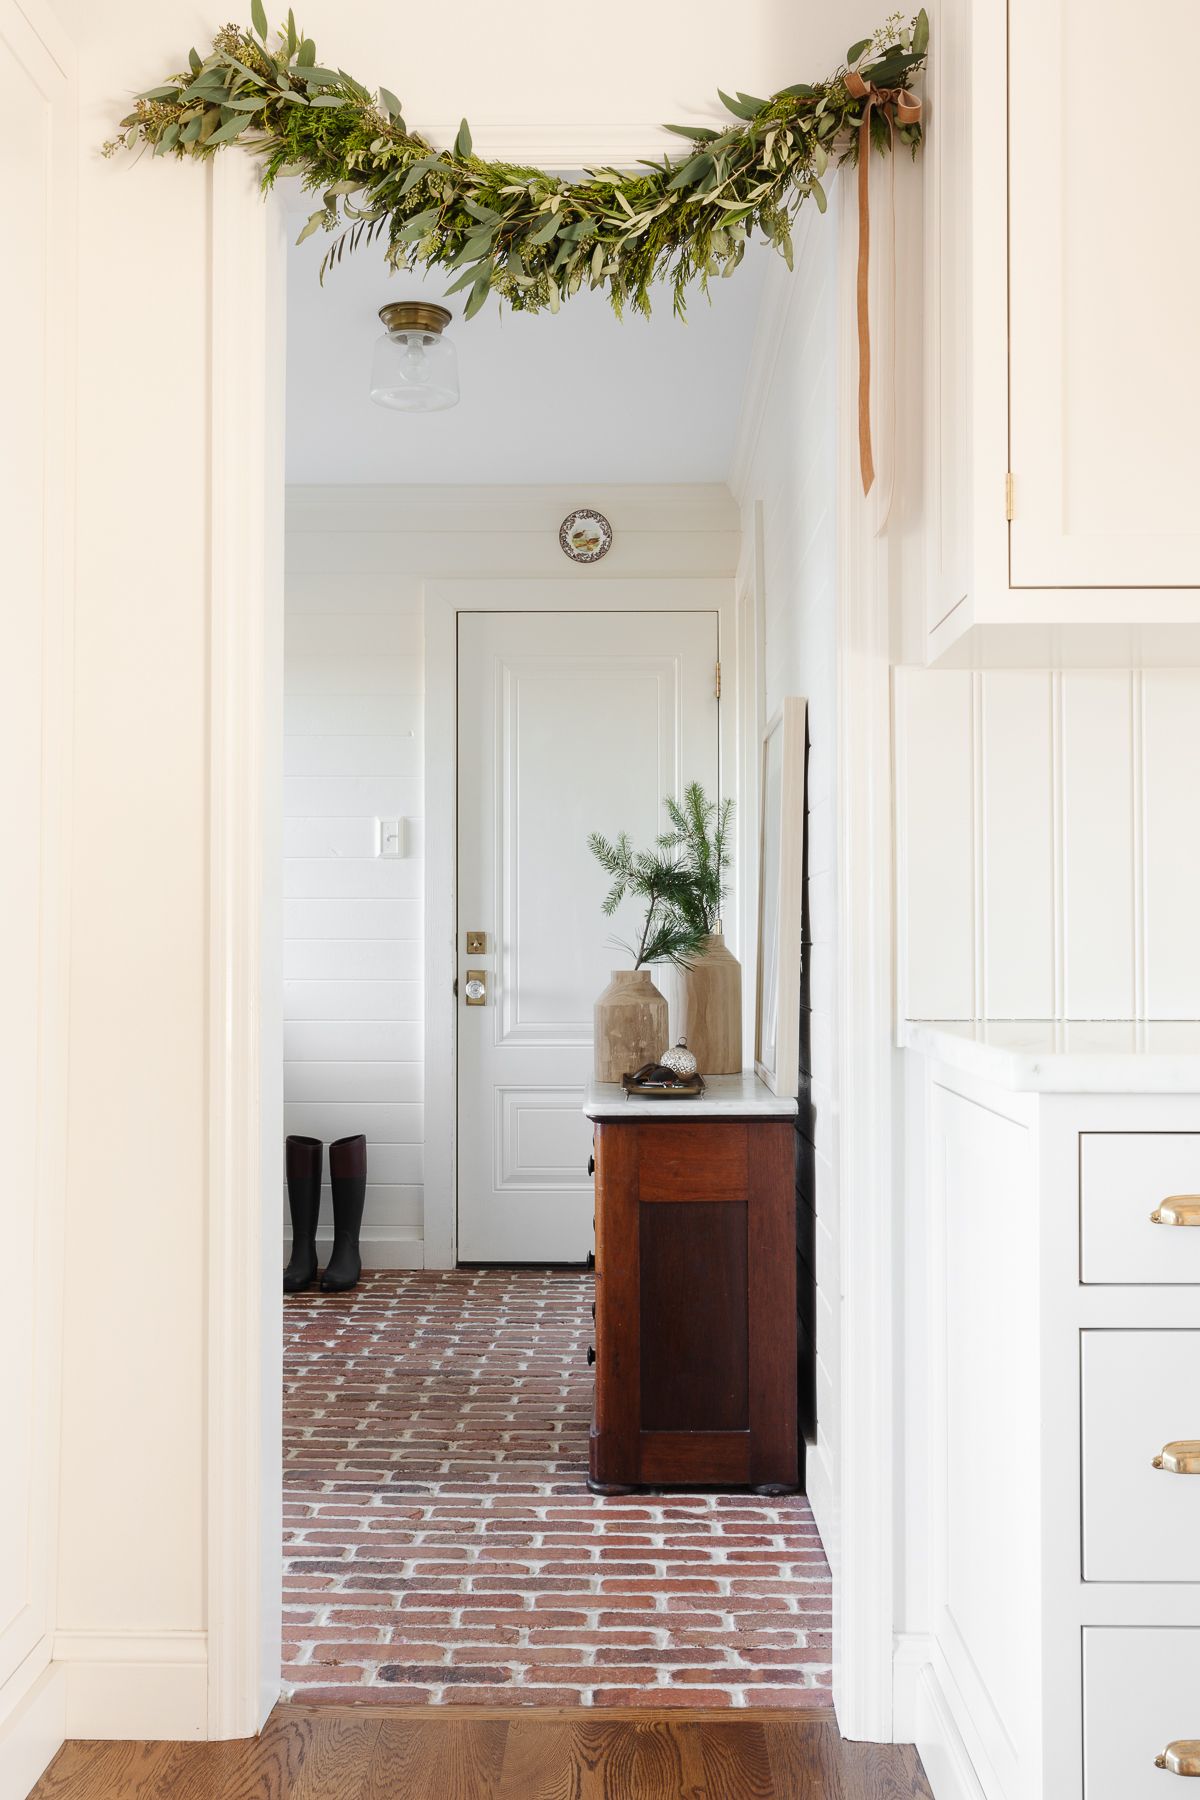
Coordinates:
x,y
463,705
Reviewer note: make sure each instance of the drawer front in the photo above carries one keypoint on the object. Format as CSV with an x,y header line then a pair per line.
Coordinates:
x,y
1141,1391
1141,1692
1124,1176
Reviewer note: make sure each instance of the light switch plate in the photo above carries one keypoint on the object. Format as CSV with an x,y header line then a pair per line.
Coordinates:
x,y
389,837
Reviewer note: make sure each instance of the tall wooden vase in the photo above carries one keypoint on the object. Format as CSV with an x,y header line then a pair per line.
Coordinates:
x,y
630,1024
709,1008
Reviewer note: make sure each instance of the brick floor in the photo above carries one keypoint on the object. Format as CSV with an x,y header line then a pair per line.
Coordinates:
x,y
440,1543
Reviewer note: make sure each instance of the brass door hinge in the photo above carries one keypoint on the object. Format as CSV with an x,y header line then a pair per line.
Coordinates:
x,y
1008,496
717,689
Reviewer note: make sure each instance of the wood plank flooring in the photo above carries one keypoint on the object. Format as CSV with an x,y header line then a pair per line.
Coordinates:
x,y
357,1753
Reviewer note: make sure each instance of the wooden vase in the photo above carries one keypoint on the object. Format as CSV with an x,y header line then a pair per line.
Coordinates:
x,y
630,1024
709,1008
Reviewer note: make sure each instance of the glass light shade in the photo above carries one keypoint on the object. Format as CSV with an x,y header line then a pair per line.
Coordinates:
x,y
414,368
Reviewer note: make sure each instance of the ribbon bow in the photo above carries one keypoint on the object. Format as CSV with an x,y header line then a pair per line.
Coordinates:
x,y
899,107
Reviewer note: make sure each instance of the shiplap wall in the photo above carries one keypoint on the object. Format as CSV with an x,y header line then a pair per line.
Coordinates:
x,y
1048,843
357,559
786,466
353,921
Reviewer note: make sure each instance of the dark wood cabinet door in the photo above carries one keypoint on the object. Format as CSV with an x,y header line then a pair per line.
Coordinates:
x,y
696,1304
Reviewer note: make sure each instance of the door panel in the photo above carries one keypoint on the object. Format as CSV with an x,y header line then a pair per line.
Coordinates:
x,y
1105,374
568,723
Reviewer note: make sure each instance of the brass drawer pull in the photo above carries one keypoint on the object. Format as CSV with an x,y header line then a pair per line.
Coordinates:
x,y
1182,1457
1181,1758
1177,1209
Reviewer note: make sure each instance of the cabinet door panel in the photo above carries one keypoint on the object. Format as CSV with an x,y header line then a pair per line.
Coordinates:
x,y
1104,357
1139,1395
1141,1691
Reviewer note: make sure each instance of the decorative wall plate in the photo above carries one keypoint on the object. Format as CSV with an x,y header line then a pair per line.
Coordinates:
x,y
585,535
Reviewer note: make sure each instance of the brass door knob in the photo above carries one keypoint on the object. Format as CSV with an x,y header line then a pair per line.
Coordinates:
x,y
1180,1758
1180,1457
476,987
1177,1209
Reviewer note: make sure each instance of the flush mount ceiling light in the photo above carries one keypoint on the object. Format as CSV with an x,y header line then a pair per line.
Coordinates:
x,y
414,368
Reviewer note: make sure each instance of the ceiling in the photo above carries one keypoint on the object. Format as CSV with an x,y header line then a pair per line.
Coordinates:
x,y
579,396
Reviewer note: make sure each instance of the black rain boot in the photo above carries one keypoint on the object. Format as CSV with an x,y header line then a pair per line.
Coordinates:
x,y
348,1178
303,1156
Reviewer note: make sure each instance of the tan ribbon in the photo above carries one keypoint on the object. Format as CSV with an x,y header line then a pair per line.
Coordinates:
x,y
898,107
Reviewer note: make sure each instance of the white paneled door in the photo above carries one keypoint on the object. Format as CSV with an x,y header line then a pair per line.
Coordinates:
x,y
567,723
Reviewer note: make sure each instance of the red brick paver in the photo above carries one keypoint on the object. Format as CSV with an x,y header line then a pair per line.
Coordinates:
x,y
440,1543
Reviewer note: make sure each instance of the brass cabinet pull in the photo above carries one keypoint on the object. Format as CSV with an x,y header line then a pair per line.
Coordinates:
x,y
1181,1758
1182,1457
1177,1209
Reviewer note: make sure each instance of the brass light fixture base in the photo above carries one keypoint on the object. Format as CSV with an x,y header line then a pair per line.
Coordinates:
x,y
415,315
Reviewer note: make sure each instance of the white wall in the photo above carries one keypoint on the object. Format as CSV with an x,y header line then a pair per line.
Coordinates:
x,y
787,467
1048,841
358,559
36,481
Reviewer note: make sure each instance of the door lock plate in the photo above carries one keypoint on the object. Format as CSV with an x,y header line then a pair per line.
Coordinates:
x,y
476,987
477,943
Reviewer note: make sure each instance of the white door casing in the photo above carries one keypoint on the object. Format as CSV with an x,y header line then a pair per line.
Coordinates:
x,y
568,723
36,311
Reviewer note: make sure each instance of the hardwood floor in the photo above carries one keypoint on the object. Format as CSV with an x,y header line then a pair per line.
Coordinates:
x,y
356,1753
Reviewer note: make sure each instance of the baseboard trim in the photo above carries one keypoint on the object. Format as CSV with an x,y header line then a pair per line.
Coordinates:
x,y
386,1247
134,1684
32,1734
924,1716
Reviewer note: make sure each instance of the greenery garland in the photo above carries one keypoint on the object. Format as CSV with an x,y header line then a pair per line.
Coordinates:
x,y
528,236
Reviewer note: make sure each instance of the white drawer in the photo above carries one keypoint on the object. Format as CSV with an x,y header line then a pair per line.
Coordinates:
x,y
1123,1177
1141,1692
1141,1391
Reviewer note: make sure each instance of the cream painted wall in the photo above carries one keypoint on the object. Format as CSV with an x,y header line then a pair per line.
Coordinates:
x,y
1048,837
357,563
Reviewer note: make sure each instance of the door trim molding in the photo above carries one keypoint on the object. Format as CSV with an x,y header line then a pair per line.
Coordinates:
x,y
444,599
243,1476
245,1113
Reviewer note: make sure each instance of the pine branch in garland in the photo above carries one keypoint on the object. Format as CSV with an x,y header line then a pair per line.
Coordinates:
x,y
530,237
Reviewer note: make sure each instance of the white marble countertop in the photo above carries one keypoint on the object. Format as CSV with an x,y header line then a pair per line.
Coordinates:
x,y
1073,1056
724,1096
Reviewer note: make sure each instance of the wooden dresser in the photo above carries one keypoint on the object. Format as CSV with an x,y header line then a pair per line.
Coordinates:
x,y
695,1347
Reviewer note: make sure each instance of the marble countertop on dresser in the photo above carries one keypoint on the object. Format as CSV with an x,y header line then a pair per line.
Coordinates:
x,y
1066,1056
725,1096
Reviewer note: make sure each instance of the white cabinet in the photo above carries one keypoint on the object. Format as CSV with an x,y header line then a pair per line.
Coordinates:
x,y
1128,1229
1140,1393
1104,361
1141,1693
1061,348
1053,1353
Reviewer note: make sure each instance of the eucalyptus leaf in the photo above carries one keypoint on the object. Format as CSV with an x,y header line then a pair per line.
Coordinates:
x,y
534,237
857,50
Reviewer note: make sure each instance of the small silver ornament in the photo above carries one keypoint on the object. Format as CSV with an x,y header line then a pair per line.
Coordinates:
x,y
680,1060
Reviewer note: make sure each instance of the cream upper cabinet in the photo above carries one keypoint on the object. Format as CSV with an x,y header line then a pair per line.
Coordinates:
x,y
1062,356
1104,351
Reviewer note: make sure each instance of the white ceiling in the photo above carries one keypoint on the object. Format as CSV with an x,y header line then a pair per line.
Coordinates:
x,y
579,396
